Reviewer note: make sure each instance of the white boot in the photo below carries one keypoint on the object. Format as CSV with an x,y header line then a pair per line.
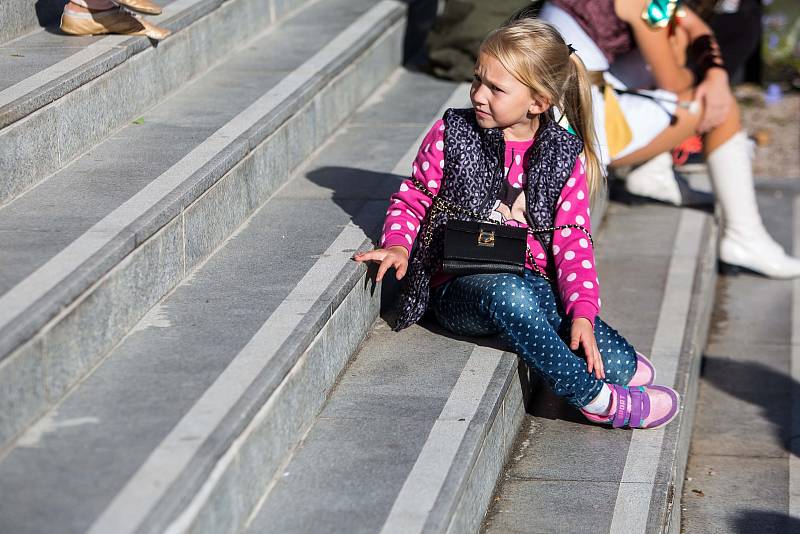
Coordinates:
x,y
656,179
745,242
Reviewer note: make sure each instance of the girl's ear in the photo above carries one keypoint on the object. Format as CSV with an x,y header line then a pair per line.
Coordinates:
x,y
539,105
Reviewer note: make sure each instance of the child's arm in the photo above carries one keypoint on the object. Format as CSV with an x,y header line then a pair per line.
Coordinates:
x,y
578,283
408,207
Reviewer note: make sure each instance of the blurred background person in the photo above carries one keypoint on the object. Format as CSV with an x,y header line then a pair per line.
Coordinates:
x,y
660,78
460,29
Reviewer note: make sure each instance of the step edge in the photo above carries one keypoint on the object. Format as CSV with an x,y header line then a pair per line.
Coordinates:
x,y
63,311
687,356
465,476
159,214
476,495
42,108
688,379
258,405
120,49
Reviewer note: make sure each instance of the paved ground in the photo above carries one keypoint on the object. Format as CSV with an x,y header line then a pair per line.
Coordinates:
x,y
742,476
566,475
775,125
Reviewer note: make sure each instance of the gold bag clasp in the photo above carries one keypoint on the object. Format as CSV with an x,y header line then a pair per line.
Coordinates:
x,y
486,238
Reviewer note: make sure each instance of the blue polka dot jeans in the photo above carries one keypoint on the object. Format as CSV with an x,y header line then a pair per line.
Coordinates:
x,y
527,314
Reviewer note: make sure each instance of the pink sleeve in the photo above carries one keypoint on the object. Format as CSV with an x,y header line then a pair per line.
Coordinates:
x,y
578,283
407,207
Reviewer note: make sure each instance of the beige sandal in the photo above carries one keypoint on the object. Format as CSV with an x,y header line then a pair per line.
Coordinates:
x,y
116,20
146,7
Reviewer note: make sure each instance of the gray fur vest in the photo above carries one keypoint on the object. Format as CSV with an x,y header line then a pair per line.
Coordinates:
x,y
473,175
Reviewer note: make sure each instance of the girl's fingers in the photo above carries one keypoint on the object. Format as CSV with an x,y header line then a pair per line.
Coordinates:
x,y
382,270
590,360
402,267
371,255
386,260
600,367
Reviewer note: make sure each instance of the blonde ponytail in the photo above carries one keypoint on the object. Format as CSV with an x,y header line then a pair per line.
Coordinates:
x,y
577,106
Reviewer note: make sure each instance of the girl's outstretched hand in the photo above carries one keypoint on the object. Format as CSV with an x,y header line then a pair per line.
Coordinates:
x,y
396,257
583,334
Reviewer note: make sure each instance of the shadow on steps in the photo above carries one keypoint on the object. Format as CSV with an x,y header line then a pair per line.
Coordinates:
x,y
349,184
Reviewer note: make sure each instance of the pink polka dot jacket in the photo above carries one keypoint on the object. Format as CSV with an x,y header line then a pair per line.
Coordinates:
x,y
577,280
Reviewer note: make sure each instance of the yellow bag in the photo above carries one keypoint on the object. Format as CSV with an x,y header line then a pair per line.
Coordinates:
x,y
618,132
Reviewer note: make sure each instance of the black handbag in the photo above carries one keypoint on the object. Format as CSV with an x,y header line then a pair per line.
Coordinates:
x,y
472,247
485,247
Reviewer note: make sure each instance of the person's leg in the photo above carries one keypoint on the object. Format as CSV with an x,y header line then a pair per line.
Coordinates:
x,y
619,356
745,242
648,115
684,127
739,36
507,305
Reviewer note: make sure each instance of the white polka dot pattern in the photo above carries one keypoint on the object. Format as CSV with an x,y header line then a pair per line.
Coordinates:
x,y
577,260
524,314
402,226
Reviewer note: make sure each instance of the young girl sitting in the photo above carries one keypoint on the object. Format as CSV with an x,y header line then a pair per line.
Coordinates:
x,y
510,161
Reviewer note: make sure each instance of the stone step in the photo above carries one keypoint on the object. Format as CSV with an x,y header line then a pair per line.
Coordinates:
x,y
187,420
414,436
93,248
657,268
412,439
743,467
60,94
18,17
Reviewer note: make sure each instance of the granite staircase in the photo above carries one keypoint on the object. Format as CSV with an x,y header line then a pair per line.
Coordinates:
x,y
185,342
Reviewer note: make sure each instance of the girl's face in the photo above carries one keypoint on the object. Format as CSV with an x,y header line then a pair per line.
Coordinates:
x,y
502,101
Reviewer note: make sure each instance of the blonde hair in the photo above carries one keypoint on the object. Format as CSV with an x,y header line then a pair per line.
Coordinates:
x,y
535,54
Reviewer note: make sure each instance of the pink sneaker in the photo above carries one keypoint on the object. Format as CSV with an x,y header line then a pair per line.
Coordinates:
x,y
645,374
639,407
